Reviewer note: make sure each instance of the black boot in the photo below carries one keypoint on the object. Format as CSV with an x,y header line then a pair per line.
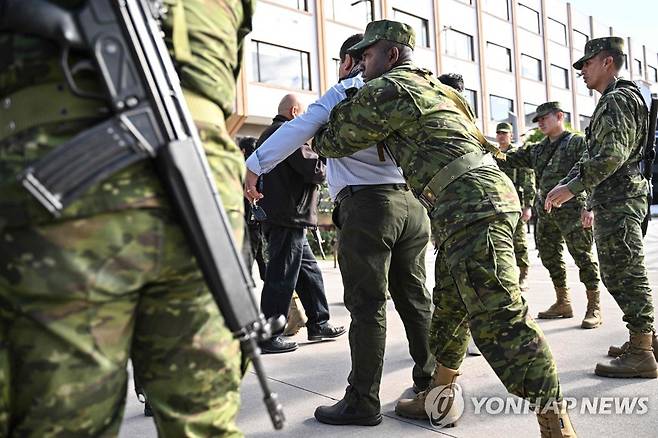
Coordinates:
x,y
276,344
344,414
326,331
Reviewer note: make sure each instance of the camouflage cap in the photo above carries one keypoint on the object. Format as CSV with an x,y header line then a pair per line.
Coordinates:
x,y
547,108
592,47
386,30
504,127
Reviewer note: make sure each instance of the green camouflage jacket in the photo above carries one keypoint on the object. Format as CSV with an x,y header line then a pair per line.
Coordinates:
x,y
523,179
551,161
409,111
615,142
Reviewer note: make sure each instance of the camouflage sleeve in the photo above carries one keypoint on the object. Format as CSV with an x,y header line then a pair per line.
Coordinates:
x,y
364,119
527,183
612,139
521,157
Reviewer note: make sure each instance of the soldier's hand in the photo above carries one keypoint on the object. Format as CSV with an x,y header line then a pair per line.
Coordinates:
x,y
587,218
250,190
526,214
556,197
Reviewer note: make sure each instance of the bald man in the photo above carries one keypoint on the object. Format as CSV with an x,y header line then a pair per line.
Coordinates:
x,y
290,202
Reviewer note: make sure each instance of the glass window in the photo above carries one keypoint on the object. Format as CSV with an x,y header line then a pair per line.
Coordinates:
x,y
281,66
531,68
499,57
499,8
529,110
420,26
528,18
334,66
458,44
557,32
468,2
302,5
472,99
355,13
584,122
501,108
637,65
653,73
567,116
579,40
559,76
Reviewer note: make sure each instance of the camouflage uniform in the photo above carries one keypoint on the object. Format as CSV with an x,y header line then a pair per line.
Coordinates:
x,y
414,115
113,277
551,161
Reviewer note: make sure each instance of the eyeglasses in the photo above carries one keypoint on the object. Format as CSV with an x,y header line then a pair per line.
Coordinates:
x,y
258,212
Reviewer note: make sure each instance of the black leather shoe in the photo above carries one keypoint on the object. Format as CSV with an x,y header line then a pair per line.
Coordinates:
x,y
420,388
277,345
147,410
326,331
343,414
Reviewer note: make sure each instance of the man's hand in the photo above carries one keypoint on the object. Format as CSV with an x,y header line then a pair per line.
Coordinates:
x,y
558,196
587,218
250,190
526,214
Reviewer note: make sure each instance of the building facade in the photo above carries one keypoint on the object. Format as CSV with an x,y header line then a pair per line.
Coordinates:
x,y
513,54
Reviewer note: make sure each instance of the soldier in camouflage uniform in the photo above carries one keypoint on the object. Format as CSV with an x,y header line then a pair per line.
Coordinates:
x,y
431,132
524,181
113,278
609,171
551,159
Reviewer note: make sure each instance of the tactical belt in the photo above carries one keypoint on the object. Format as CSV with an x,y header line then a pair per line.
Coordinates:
x,y
448,174
44,104
348,191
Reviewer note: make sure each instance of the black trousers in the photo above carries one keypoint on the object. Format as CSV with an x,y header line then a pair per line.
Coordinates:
x,y
292,267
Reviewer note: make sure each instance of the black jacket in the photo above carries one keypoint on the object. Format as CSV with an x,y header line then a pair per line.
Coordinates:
x,y
291,188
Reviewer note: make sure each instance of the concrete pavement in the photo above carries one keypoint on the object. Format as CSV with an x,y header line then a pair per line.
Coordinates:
x,y
316,374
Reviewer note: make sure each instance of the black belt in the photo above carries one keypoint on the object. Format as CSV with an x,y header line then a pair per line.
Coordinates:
x,y
348,191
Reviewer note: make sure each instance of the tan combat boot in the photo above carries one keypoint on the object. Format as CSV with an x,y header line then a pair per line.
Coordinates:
x,y
523,278
296,317
554,422
593,315
637,361
615,351
415,407
561,308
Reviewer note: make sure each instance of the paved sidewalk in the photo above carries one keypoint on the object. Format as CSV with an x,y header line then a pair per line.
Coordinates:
x,y
316,374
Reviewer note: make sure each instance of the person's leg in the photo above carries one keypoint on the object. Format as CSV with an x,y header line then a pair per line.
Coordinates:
x,y
186,359
406,277
521,246
310,289
550,246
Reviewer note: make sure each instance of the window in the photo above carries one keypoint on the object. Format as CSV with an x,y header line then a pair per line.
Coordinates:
x,y
653,73
302,5
528,18
579,40
582,87
334,66
529,110
355,13
281,66
458,44
584,122
419,25
499,57
472,99
567,117
557,32
468,2
531,68
501,108
560,76
637,64
499,8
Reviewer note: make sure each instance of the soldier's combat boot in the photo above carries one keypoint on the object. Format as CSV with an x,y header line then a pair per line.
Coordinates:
x,y
637,361
415,407
554,422
615,351
523,278
561,308
593,315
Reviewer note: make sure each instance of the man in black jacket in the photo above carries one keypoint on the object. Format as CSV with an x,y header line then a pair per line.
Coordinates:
x,y
290,201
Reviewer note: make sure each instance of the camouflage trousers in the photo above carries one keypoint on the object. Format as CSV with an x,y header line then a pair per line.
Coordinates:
x,y
553,231
621,254
78,298
477,288
521,245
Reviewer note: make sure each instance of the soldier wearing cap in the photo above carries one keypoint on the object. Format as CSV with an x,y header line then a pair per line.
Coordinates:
x,y
609,172
431,132
551,159
524,181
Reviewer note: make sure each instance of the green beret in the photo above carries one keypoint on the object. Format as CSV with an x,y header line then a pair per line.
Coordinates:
x,y
386,30
592,47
